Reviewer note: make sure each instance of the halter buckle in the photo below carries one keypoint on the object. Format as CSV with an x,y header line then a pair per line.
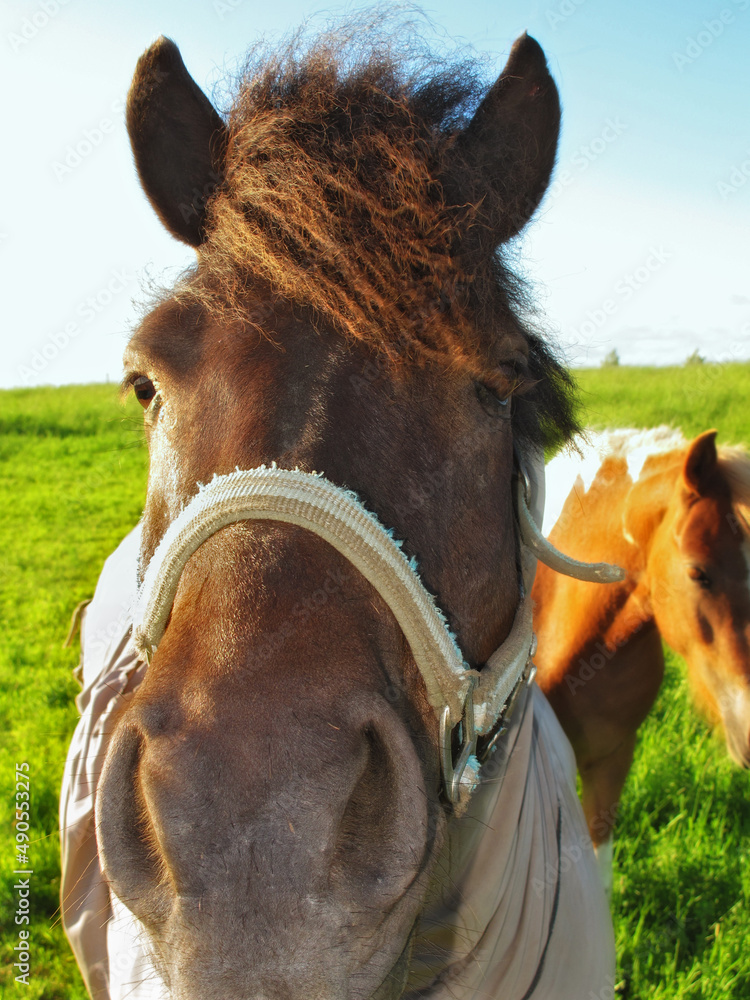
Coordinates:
x,y
452,773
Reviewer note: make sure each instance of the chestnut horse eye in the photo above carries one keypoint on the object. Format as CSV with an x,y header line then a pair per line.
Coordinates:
x,y
144,389
700,576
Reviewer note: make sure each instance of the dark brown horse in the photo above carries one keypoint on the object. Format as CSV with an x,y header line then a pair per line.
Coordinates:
x,y
270,810
674,514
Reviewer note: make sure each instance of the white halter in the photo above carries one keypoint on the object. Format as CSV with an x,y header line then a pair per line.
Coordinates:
x,y
306,499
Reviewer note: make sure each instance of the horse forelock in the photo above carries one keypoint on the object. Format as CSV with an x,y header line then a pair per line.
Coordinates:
x,y
333,196
338,199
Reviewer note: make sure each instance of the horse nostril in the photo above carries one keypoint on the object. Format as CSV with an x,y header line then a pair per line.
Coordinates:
x,y
122,829
384,864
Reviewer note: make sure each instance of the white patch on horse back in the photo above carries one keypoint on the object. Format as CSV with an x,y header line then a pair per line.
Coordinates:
x,y
604,853
576,466
646,443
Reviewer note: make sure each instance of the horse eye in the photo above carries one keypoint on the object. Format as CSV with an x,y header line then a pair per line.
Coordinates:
x,y
495,403
700,577
144,389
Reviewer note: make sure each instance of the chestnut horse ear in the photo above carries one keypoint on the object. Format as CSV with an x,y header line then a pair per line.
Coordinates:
x,y
178,140
509,146
700,463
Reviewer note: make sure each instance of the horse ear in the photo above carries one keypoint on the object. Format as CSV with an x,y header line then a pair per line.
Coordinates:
x,y
508,148
700,463
178,140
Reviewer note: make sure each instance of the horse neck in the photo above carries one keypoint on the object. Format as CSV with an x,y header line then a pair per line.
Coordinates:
x,y
648,503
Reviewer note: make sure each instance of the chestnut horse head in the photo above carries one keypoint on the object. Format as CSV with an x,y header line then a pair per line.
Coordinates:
x,y
699,571
676,515
270,807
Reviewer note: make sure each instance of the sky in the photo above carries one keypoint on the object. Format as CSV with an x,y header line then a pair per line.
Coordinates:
x,y
640,246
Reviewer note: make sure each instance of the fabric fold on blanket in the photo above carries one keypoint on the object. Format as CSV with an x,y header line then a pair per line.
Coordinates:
x,y
111,671
516,909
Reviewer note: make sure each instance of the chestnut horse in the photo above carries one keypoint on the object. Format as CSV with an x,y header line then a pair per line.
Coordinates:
x,y
271,807
675,515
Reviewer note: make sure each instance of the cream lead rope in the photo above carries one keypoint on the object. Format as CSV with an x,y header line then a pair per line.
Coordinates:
x,y
336,515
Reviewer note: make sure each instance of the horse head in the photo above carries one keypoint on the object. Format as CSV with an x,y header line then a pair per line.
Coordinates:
x,y
271,807
702,604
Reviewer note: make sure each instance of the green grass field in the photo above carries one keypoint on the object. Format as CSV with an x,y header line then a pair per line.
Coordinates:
x,y
73,482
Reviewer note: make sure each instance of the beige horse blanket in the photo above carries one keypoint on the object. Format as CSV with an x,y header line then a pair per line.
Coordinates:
x,y
516,910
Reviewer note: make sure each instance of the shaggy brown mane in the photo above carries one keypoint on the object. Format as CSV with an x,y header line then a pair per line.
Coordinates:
x,y
334,199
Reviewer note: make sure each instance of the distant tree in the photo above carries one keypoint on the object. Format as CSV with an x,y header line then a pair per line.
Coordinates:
x,y
695,358
611,360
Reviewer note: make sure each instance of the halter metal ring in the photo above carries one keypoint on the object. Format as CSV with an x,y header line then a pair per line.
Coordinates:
x,y
452,773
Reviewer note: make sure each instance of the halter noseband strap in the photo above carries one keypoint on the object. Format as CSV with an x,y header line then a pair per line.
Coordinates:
x,y
458,694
